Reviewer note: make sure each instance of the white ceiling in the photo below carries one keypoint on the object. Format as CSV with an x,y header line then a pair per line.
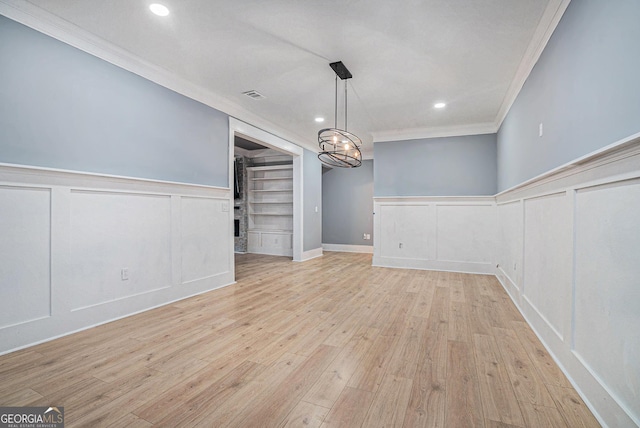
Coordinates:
x,y
404,56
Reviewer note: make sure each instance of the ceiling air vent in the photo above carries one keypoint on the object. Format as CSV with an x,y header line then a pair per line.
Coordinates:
x,y
254,94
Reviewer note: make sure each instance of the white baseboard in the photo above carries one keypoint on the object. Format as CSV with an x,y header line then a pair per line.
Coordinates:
x,y
116,318
446,266
600,186
509,285
311,254
505,283
271,252
348,248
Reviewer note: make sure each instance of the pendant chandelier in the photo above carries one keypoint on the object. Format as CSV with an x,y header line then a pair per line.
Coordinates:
x,y
338,147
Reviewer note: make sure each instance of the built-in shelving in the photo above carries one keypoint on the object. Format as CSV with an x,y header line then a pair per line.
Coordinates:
x,y
270,210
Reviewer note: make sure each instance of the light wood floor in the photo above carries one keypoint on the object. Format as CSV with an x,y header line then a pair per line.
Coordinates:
x,y
326,343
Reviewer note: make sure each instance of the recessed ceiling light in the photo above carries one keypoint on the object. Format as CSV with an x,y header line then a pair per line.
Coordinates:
x,y
439,105
319,119
159,9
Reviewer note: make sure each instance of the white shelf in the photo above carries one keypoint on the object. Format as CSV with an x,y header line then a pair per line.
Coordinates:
x,y
270,216
271,202
277,214
270,168
272,179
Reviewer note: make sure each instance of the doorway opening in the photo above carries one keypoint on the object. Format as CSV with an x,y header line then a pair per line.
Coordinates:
x,y
263,199
266,172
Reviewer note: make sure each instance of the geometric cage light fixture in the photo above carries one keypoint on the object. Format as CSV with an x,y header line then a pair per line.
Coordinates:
x,y
338,147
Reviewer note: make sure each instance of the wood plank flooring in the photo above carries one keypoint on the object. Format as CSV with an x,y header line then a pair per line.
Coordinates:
x,y
332,342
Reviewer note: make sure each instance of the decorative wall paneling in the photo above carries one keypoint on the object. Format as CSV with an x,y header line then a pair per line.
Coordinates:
x,y
574,237
440,233
81,249
566,247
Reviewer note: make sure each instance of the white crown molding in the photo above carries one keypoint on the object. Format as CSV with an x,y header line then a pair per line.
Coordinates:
x,y
547,25
34,17
367,151
444,131
60,29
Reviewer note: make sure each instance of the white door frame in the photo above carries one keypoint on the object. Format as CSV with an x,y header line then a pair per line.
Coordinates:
x,y
272,141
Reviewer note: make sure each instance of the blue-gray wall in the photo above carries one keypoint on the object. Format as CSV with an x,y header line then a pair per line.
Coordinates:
x,y
449,166
585,89
347,205
63,108
312,198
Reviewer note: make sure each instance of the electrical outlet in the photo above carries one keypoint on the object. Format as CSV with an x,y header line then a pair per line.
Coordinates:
x,y
400,245
368,237
124,274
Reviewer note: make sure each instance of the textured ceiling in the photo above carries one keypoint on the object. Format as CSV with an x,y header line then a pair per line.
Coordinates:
x,y
404,56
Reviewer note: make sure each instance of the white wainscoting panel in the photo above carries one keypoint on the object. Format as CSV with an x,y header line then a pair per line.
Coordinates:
x,y
607,290
25,232
466,233
204,227
455,234
510,249
579,283
114,231
66,238
407,231
548,255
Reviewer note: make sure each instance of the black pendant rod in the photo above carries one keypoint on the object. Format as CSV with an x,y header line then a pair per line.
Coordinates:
x,y
335,122
345,105
343,73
